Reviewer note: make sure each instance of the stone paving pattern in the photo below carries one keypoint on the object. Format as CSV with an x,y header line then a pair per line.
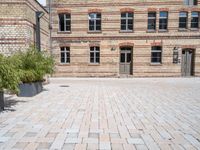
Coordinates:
x,y
117,114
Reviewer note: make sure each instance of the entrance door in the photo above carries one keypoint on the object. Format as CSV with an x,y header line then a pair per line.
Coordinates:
x,y
187,62
125,60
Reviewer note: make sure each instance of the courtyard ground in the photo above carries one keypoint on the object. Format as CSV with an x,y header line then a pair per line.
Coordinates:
x,y
102,113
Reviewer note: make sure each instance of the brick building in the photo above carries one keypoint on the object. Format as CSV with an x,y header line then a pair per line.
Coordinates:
x,y
136,38
18,25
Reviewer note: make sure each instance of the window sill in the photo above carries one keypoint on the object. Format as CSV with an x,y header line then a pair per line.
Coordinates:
x,y
194,29
126,31
94,32
151,31
155,64
94,64
64,64
182,30
64,32
161,30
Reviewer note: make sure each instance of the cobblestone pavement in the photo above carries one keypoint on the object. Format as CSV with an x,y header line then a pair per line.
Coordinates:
x,y
117,114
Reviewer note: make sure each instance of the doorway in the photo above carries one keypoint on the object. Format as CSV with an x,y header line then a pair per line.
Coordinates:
x,y
187,64
125,60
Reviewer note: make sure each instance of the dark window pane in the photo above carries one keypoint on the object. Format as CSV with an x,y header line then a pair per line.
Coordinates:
x,y
122,58
130,21
99,16
130,27
128,57
123,21
97,54
123,15
92,54
61,22
130,15
152,24
91,59
98,27
163,14
151,14
97,60
123,27
163,24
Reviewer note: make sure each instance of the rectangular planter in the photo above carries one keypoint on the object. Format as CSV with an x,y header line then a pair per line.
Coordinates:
x,y
1,100
30,89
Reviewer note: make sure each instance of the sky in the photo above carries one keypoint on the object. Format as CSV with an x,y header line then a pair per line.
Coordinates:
x,y
43,2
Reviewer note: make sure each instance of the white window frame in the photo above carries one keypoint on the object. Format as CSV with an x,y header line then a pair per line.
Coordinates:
x,y
65,51
65,20
127,18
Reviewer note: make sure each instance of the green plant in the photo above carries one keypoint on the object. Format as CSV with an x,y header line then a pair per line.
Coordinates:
x,y
9,77
32,65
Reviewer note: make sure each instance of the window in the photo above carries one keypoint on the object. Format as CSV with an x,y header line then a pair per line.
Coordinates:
x,y
65,55
183,17
94,54
163,20
152,21
64,22
195,20
127,21
190,2
156,54
95,21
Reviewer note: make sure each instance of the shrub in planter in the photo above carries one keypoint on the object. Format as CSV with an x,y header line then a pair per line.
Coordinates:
x,y
32,66
9,78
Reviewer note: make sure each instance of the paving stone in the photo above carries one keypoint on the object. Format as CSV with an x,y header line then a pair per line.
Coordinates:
x,y
137,113
135,141
105,146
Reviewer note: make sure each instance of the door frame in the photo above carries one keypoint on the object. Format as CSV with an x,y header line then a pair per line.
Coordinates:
x,y
192,61
131,64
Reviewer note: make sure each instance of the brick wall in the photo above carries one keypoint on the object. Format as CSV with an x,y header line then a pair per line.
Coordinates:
x,y
110,38
17,25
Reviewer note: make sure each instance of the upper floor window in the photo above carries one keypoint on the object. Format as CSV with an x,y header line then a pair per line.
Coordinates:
x,y
127,21
95,22
190,2
152,21
183,17
94,54
65,55
65,22
163,20
156,54
195,20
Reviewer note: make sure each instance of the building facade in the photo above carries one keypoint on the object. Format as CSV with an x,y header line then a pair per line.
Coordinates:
x,y
133,38
18,25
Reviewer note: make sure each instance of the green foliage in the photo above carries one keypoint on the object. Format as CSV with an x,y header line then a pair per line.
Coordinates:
x,y
25,67
32,65
9,77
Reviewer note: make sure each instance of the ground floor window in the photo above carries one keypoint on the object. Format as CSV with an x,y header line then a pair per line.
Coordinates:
x,y
65,55
156,54
95,54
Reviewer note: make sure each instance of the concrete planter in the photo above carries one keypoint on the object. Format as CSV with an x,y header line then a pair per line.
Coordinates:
x,y
1,100
30,89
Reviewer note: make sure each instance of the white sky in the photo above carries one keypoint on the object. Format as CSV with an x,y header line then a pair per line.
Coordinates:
x,y
43,2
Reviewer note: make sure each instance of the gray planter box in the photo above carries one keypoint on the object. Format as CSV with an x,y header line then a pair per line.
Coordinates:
x,y
1,100
30,89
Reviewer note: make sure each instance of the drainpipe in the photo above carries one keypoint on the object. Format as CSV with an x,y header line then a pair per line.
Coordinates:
x,y
38,15
50,25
